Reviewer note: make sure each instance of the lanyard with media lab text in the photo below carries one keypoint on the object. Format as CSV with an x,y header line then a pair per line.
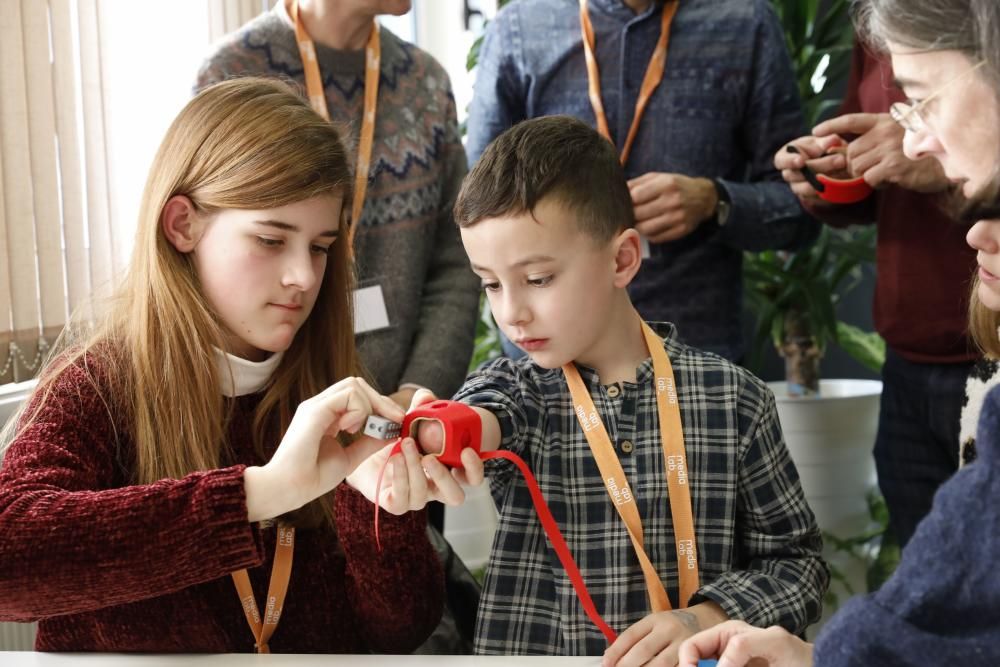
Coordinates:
x,y
652,78
317,98
281,571
675,461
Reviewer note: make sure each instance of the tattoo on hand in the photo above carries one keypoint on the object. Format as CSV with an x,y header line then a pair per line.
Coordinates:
x,y
689,620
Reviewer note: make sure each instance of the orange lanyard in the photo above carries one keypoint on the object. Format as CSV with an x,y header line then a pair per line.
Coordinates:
x,y
652,78
281,571
676,470
317,98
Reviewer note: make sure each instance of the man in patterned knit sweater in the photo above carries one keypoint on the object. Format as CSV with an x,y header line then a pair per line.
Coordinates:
x,y
406,242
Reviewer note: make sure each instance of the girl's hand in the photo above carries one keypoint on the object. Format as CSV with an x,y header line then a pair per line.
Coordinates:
x,y
415,477
411,479
737,644
310,461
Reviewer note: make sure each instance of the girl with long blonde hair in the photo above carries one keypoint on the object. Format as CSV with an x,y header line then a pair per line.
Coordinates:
x,y
201,416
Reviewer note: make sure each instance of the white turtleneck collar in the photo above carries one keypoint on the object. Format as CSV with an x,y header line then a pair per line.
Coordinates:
x,y
239,377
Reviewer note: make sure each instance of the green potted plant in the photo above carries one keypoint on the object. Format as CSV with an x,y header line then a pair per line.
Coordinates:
x,y
794,296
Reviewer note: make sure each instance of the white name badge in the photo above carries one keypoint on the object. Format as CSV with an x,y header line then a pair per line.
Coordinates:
x,y
370,313
644,247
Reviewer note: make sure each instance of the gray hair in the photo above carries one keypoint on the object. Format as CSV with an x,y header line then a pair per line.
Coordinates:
x,y
971,27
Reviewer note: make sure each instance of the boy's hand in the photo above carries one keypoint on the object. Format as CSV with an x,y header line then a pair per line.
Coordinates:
x,y
404,397
656,639
427,432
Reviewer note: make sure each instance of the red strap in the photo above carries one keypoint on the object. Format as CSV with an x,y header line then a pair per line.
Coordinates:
x,y
396,449
462,431
556,538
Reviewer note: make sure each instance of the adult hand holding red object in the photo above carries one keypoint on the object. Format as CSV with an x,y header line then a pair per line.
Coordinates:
x,y
876,155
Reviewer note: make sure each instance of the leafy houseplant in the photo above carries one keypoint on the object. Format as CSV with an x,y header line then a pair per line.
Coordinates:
x,y
794,294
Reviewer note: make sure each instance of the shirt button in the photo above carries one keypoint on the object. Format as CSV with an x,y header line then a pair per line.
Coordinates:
x,y
613,391
627,446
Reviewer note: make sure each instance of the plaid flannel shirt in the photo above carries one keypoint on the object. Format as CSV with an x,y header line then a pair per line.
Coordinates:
x,y
758,543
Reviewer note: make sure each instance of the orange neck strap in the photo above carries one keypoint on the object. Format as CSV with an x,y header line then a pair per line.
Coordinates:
x,y
676,469
652,78
317,98
281,572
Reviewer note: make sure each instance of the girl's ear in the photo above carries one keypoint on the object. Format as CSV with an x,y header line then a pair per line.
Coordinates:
x,y
181,224
628,256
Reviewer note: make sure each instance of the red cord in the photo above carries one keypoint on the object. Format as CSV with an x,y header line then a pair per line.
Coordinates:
x,y
548,524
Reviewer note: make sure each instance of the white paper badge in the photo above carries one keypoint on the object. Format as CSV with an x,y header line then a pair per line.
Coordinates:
x,y
370,313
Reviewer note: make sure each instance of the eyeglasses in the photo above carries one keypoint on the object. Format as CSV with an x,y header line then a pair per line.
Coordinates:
x,y
909,115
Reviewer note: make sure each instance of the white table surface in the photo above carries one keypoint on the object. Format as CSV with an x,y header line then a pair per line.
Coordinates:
x,y
33,659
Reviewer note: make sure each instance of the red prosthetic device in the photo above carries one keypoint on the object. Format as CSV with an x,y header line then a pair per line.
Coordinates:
x,y
461,424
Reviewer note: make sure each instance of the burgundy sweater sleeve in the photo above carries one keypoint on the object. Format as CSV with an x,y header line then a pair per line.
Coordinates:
x,y
398,593
75,538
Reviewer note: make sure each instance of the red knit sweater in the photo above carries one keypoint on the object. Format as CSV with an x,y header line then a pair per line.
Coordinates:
x,y
105,566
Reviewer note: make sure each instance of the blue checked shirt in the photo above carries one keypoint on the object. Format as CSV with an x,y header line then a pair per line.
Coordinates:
x,y
758,543
727,103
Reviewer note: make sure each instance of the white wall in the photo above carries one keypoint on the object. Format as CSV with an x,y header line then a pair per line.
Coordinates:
x,y
11,397
14,636
442,33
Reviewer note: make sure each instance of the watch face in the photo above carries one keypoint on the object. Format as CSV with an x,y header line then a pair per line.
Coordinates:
x,y
722,212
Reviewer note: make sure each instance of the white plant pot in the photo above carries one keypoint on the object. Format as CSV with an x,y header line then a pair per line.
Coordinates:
x,y
830,438
469,527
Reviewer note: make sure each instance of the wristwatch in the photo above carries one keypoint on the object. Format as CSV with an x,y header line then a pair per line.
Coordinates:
x,y
725,206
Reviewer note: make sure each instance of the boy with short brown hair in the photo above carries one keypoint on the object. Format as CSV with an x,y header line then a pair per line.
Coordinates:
x,y
547,222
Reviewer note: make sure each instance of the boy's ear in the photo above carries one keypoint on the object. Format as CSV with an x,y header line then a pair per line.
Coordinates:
x,y
628,256
181,224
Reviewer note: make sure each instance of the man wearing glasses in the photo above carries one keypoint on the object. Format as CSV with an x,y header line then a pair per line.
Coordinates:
x,y
921,314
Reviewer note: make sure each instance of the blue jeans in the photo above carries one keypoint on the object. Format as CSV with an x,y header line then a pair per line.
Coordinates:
x,y
916,448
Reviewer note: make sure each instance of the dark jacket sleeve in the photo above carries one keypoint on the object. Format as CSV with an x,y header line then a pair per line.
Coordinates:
x,y
498,101
766,214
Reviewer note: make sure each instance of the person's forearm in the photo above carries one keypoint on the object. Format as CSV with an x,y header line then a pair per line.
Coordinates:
x,y
266,496
491,430
707,614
